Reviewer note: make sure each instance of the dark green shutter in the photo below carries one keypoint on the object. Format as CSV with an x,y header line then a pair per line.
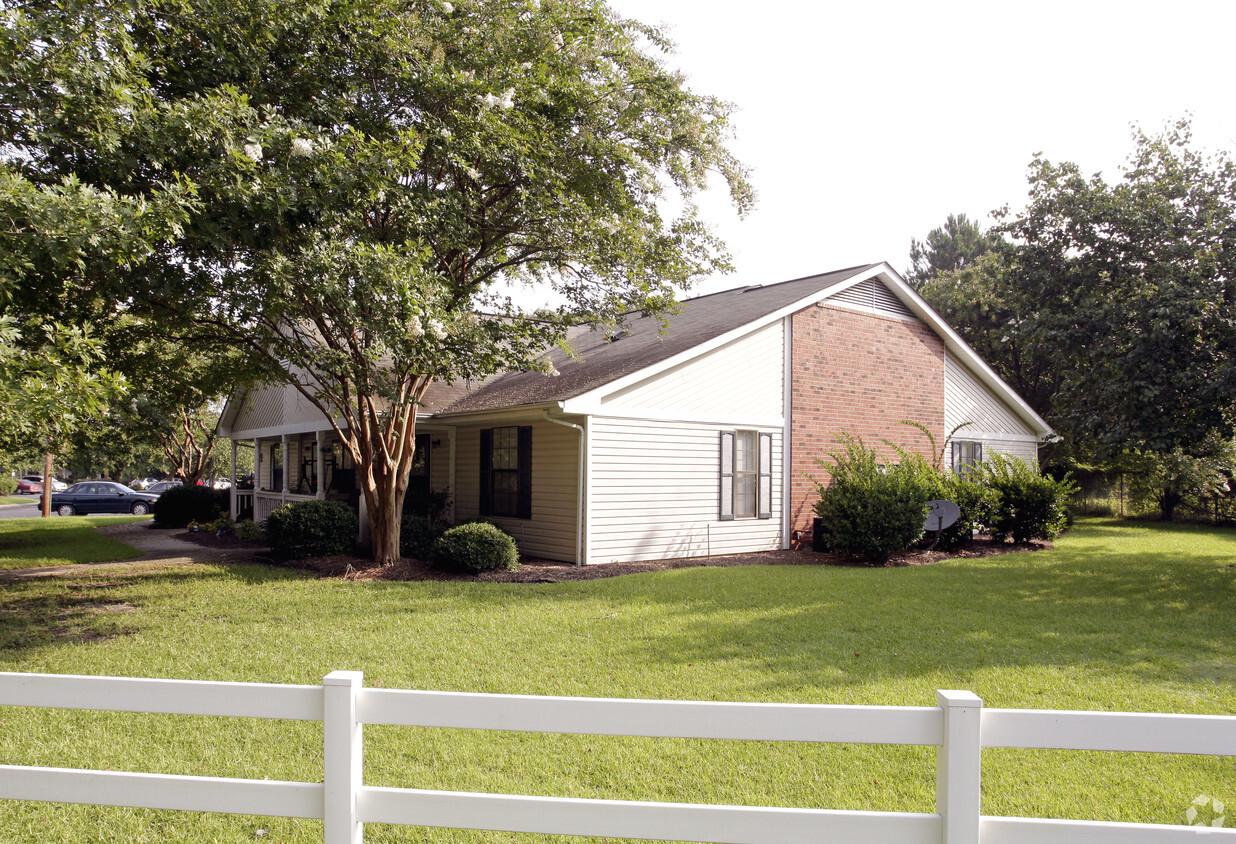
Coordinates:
x,y
487,465
726,480
764,507
525,472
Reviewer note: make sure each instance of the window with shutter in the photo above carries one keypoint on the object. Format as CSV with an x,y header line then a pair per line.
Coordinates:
x,y
506,471
967,454
745,477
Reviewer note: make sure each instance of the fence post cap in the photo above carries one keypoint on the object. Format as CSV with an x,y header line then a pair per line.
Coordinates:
x,y
957,697
344,678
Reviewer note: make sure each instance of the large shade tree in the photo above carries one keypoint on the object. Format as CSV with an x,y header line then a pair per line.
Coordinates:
x,y
1111,305
362,178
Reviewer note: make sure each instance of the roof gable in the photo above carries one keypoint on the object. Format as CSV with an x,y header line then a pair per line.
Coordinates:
x,y
645,345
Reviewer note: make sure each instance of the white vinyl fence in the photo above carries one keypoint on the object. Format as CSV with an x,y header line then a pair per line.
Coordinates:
x,y
958,726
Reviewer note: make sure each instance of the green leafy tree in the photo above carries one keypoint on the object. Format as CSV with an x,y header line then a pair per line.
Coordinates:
x,y
358,177
953,246
1113,311
51,383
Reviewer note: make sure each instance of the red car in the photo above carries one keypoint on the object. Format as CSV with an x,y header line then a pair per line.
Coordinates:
x,y
29,486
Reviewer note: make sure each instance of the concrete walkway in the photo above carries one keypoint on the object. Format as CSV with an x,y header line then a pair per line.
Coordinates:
x,y
158,546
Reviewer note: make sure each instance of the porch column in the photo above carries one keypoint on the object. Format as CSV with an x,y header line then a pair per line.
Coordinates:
x,y
286,470
257,469
321,463
232,488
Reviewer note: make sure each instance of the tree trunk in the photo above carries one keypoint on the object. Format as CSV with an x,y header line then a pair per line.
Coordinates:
x,y
384,494
1167,503
47,485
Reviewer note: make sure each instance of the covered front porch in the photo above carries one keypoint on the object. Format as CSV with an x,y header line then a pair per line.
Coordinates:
x,y
315,465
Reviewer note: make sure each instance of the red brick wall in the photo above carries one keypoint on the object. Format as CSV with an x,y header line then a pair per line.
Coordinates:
x,y
861,374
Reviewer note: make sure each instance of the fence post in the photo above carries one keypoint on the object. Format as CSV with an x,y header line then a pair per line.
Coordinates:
x,y
959,764
343,757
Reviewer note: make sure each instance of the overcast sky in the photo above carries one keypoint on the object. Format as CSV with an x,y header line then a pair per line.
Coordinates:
x,y
866,124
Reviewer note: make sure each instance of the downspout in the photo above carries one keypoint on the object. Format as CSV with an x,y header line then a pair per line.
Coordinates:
x,y
579,499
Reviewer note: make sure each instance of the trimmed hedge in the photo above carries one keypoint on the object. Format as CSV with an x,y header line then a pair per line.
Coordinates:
x,y
474,548
312,529
183,504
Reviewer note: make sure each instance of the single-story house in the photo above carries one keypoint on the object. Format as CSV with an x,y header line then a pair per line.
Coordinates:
x,y
690,438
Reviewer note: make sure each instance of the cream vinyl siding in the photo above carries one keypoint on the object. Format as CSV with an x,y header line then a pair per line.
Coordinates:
x,y
966,399
263,408
655,493
275,406
550,533
747,372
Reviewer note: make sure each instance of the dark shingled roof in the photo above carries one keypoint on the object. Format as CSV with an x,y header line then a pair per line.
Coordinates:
x,y
601,359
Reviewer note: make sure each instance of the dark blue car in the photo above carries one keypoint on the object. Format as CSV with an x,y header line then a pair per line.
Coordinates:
x,y
101,497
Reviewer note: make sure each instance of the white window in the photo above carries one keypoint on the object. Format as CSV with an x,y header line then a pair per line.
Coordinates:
x,y
745,477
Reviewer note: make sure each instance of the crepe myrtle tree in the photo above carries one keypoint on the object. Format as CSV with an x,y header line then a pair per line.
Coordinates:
x,y
363,179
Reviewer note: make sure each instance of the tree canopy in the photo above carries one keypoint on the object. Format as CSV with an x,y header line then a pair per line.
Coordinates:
x,y
1112,308
956,244
338,185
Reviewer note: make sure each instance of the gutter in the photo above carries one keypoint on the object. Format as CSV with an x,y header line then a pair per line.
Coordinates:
x,y
579,500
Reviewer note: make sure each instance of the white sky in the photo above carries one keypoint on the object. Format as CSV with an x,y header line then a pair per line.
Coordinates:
x,y
867,123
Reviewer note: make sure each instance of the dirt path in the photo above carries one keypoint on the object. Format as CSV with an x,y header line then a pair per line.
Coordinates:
x,y
159,546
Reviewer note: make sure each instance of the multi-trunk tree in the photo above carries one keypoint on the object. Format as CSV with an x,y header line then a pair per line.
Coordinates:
x,y
360,178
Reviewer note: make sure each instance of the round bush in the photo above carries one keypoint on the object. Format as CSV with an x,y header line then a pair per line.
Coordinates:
x,y
474,548
8,485
183,504
312,529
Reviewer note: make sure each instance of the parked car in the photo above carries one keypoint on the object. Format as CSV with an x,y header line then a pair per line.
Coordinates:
x,y
101,497
29,486
142,483
161,487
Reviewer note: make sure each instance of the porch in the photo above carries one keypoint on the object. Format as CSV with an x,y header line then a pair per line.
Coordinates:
x,y
314,465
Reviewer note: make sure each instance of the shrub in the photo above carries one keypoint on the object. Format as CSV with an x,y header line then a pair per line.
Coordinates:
x,y
249,531
312,528
183,504
975,501
475,548
1029,505
417,536
871,510
8,485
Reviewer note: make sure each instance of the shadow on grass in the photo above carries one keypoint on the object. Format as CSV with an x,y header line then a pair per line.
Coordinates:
x,y
97,606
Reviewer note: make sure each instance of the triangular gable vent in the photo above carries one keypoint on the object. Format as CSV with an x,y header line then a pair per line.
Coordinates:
x,y
871,295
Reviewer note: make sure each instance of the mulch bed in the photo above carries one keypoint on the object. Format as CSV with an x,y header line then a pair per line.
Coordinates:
x,y
545,571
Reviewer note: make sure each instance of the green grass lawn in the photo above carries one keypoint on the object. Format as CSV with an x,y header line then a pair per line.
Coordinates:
x,y
19,499
35,542
1134,617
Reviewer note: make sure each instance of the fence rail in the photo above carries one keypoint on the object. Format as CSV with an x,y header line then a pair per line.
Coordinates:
x,y
958,726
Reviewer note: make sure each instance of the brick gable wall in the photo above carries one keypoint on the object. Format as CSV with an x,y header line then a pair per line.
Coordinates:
x,y
859,373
